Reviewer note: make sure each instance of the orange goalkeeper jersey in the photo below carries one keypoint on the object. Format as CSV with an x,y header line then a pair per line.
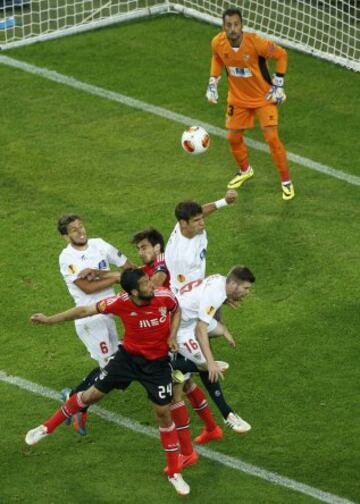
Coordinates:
x,y
247,70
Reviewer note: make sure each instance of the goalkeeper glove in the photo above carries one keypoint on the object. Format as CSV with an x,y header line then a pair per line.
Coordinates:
x,y
212,93
276,93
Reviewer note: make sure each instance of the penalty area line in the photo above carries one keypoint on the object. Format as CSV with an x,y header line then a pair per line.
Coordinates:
x,y
226,460
167,114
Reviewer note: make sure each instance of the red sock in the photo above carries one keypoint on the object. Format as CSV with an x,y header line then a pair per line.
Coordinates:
x,y
169,440
72,406
198,401
180,415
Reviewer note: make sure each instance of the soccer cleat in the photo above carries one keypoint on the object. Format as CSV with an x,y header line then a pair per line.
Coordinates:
x,y
178,376
288,191
224,366
79,422
240,178
236,423
206,436
188,460
185,461
65,394
36,435
181,487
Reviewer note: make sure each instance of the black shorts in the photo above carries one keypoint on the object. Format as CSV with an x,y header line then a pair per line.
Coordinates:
x,y
123,368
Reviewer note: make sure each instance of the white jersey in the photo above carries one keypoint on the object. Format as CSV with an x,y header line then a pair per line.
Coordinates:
x,y
98,255
200,299
185,258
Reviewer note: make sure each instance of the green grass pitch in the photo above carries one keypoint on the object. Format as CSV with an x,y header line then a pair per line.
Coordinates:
x,y
294,372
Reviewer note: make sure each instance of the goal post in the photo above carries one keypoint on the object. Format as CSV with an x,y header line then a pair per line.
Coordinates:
x,y
328,29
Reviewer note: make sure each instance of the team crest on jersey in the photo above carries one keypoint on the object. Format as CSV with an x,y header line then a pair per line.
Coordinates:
x,y
133,314
72,268
102,264
246,57
163,311
203,254
180,278
211,310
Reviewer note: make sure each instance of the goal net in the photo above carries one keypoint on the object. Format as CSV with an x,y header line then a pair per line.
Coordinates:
x,y
329,29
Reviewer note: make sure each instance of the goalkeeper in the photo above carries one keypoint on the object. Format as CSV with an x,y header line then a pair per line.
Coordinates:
x,y
251,93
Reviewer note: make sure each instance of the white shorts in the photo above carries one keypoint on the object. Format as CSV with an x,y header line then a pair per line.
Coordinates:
x,y
189,346
99,335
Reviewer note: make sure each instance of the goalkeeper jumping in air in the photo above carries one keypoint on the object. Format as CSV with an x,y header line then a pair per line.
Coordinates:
x,y
251,92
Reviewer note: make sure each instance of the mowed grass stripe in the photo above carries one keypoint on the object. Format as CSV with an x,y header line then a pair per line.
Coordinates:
x,y
167,114
220,458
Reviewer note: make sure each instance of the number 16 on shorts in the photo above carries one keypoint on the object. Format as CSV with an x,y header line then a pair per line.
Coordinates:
x,y
191,350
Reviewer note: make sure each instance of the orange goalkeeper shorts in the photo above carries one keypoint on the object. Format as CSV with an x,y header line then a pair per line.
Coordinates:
x,y
244,118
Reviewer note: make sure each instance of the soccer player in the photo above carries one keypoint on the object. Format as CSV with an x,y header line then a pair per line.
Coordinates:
x,y
185,256
251,93
199,301
185,252
150,245
151,318
98,333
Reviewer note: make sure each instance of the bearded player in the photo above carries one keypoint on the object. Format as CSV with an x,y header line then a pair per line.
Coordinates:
x,y
251,93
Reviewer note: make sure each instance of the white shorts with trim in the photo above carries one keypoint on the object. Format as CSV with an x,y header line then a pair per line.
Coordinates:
x,y
99,335
189,346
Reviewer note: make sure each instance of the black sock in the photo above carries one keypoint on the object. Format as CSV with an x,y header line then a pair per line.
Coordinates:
x,y
216,393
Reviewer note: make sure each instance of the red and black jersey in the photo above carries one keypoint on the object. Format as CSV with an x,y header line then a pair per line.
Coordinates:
x,y
158,265
147,327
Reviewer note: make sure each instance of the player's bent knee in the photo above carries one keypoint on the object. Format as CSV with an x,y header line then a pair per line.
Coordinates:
x,y
163,415
235,137
178,390
92,395
271,136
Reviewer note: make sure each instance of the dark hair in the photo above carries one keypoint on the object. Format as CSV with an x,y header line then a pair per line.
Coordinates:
x,y
130,279
187,209
232,12
64,221
240,274
153,235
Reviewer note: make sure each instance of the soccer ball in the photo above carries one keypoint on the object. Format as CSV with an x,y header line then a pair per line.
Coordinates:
x,y
195,140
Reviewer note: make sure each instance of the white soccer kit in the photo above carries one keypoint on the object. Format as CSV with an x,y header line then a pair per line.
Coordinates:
x,y
199,300
185,258
98,333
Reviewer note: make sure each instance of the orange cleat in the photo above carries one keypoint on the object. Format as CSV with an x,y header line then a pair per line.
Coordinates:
x,y
207,436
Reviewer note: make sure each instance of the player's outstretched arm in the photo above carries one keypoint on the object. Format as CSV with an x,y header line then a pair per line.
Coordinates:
x,y
75,313
229,198
222,330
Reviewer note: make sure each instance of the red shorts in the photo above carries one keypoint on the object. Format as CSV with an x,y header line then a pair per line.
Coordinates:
x,y
244,118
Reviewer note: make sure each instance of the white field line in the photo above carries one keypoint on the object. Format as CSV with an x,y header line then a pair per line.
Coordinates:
x,y
167,114
225,460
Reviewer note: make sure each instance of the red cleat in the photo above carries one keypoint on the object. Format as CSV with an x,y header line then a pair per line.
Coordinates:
x,y
188,460
185,461
207,436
